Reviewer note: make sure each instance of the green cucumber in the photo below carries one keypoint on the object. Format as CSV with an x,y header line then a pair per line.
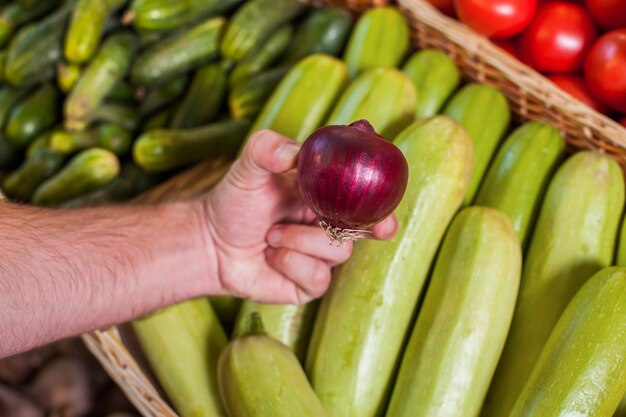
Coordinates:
x,y
67,76
246,100
85,172
33,115
162,96
380,39
519,174
158,120
122,91
16,14
435,77
364,97
9,98
107,136
124,115
37,168
365,316
484,113
574,237
178,53
40,142
462,326
582,368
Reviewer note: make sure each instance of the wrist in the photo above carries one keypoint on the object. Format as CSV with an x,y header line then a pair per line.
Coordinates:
x,y
208,283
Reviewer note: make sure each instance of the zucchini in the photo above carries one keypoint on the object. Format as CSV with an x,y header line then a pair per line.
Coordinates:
x,y
582,368
484,113
380,39
574,237
462,325
37,168
9,98
33,115
383,96
178,53
166,149
325,31
435,77
360,329
123,115
85,172
304,97
246,100
518,176
253,23
183,343
259,377
109,65
107,136
67,76
16,14
162,96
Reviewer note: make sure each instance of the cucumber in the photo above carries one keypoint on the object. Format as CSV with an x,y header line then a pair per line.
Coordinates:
x,y
325,31
33,115
122,91
383,96
204,97
258,60
159,120
253,23
16,14
380,39
109,65
435,77
259,377
574,237
166,149
162,96
40,142
85,172
518,176
304,97
67,76
183,343
484,113
9,98
582,368
107,136
123,115
37,168
462,325
246,100
178,53
360,329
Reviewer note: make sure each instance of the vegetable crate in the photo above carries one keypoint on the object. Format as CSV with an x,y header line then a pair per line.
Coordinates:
x,y
531,96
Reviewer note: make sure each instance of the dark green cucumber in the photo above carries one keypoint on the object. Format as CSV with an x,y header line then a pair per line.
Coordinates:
x,y
9,98
435,76
33,115
162,96
40,142
325,31
16,14
582,368
108,67
204,97
107,136
519,174
166,149
258,60
246,100
67,76
122,91
159,120
253,23
178,53
124,115
89,170
37,168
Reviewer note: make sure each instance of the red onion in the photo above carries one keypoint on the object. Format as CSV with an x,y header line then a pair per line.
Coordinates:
x,y
351,178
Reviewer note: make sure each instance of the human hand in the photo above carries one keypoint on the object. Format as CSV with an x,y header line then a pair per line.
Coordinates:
x,y
268,245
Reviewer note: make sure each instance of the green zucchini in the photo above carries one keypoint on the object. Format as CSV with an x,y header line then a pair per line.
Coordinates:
x,y
462,325
260,377
178,53
124,115
582,368
162,96
33,115
183,343
435,77
520,172
364,98
37,168
621,410
484,113
9,98
574,237
166,149
365,316
325,31
380,39
16,14
85,172
67,76
108,66
246,100
253,23
107,136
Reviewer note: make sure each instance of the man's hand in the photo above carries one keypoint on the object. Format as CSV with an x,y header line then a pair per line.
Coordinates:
x,y
267,244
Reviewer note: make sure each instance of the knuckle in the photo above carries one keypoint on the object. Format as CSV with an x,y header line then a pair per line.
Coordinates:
x,y
321,275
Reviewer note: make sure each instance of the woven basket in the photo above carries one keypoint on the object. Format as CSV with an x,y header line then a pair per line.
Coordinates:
x,y
531,96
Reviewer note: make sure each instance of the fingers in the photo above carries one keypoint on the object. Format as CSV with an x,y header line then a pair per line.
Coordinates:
x,y
310,274
309,240
385,229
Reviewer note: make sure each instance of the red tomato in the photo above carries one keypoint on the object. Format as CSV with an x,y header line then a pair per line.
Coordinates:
x,y
605,70
558,38
623,121
446,6
575,85
496,18
610,14
510,46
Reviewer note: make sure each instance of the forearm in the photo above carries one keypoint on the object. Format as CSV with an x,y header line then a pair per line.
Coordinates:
x,y
63,272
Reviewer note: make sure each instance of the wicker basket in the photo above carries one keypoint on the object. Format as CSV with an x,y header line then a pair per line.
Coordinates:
x,y
531,97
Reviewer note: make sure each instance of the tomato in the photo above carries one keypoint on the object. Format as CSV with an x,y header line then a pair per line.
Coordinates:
x,y
575,85
510,46
610,14
623,121
558,38
605,70
446,6
496,18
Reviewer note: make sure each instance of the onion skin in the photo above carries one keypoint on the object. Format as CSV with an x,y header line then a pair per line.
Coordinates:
x,y
351,177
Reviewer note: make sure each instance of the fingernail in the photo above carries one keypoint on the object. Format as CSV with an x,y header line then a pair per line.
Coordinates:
x,y
286,152
273,237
